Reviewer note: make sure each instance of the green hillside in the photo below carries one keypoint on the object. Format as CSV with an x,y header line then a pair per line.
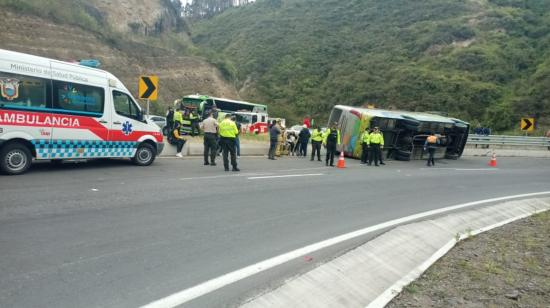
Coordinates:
x,y
482,61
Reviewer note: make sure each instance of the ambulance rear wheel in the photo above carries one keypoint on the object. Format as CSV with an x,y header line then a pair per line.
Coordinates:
x,y
15,158
145,155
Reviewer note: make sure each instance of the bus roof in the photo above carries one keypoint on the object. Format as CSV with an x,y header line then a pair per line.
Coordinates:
x,y
203,97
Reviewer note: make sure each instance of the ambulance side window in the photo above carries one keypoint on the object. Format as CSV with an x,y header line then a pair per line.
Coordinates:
x,y
78,98
24,92
125,106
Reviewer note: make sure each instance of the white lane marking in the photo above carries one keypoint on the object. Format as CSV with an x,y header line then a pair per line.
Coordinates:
x,y
222,176
270,172
316,168
461,169
478,169
206,287
283,176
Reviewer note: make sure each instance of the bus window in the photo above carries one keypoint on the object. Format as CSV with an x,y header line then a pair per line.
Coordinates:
x,y
263,119
335,115
254,118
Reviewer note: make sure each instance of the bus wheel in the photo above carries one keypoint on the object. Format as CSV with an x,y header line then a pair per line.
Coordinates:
x,y
145,155
15,158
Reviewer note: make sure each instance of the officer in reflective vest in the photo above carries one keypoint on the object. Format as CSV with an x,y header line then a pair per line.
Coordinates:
x,y
331,140
194,119
316,140
375,142
365,146
431,144
228,133
178,117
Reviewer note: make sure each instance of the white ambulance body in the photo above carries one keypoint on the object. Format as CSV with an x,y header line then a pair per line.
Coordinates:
x,y
57,110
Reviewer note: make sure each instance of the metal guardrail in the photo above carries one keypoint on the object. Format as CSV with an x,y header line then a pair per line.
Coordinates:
x,y
508,140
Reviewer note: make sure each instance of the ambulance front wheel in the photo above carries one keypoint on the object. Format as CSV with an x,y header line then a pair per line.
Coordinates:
x,y
145,155
15,158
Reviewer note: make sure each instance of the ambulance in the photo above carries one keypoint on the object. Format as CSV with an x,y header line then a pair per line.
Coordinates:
x,y
54,110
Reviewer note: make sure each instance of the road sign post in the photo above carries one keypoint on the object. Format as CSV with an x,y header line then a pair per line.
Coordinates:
x,y
148,89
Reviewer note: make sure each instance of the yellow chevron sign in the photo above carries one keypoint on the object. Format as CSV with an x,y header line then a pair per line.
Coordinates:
x,y
148,87
527,124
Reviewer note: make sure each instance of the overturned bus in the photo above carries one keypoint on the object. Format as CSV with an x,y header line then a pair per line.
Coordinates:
x,y
404,132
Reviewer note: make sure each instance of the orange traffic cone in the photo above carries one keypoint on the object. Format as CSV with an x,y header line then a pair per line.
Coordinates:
x,y
493,161
341,162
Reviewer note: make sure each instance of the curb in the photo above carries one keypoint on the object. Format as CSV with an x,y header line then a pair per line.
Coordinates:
x,y
371,275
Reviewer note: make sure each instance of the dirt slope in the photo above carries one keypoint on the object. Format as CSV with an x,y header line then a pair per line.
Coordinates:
x,y
179,75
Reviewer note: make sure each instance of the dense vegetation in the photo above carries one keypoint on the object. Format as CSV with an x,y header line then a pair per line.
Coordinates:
x,y
484,61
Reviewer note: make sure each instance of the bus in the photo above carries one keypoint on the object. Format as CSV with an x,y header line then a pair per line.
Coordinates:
x,y
253,117
404,132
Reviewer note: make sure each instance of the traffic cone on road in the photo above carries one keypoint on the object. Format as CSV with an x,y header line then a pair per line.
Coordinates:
x,y
493,161
341,162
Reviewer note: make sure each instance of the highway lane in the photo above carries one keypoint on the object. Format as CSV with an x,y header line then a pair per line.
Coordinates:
x,y
112,235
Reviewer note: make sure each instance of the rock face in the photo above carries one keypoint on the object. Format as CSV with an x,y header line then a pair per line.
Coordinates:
x,y
127,57
144,17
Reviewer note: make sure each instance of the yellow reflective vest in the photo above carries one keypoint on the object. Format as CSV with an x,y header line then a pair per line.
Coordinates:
x,y
316,135
178,117
365,137
376,138
228,129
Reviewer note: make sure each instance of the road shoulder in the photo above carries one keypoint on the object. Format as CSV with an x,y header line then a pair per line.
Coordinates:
x,y
372,274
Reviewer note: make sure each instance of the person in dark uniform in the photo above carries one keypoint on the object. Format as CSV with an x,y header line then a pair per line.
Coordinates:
x,y
169,119
331,140
303,140
237,140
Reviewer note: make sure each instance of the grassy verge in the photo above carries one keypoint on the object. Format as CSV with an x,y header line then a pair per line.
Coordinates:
x,y
505,267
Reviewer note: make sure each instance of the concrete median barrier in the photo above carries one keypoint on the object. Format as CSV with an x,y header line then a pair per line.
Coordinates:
x,y
194,147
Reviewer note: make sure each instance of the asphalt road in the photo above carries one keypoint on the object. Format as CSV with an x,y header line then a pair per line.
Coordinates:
x,y
108,234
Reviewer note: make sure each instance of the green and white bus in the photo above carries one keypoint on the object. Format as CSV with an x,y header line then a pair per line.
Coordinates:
x,y
253,117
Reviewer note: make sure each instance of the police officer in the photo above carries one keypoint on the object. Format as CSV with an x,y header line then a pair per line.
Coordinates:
x,y
194,122
365,146
178,117
431,144
331,140
228,133
375,142
316,141
210,128
169,119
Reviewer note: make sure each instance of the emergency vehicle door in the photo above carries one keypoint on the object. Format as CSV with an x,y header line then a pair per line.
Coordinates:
x,y
127,122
